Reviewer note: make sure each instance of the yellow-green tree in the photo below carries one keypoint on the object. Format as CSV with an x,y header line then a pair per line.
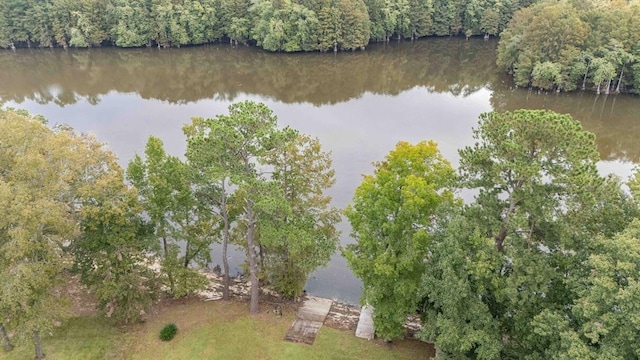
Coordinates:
x,y
391,215
43,174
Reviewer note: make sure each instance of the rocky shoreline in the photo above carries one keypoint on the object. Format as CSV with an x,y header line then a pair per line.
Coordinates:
x,y
341,315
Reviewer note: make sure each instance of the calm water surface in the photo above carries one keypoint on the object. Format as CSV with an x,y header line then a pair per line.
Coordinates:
x,y
358,104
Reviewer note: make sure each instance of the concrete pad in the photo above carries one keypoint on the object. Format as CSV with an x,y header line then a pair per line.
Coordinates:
x,y
311,316
365,328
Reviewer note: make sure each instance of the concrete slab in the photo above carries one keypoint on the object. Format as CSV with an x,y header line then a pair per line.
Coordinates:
x,y
315,308
365,329
310,317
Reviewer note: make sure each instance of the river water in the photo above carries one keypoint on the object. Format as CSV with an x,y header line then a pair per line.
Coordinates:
x,y
358,104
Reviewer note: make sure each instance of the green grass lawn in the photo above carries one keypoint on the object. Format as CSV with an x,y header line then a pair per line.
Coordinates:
x,y
209,330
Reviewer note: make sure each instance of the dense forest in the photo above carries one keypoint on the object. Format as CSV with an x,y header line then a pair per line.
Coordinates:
x,y
568,45
548,45
275,25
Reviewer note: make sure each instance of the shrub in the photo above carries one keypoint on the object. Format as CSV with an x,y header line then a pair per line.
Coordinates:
x,y
168,332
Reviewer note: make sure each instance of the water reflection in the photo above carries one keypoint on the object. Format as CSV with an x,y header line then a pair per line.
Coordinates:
x,y
615,119
223,72
358,104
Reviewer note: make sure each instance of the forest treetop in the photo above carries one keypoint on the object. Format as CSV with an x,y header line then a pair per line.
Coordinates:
x,y
568,45
275,25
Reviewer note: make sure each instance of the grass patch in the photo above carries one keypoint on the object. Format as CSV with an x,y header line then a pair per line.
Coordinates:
x,y
211,330
79,338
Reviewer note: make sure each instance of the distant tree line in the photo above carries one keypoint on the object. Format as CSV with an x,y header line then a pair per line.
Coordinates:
x,y
275,25
567,45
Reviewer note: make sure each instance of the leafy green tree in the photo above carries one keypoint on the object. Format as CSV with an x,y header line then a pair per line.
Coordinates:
x,y
131,25
546,75
211,183
602,321
391,215
5,37
603,70
444,17
38,23
299,236
91,28
234,15
593,38
112,252
490,21
420,21
202,21
284,27
35,221
15,18
376,19
168,23
355,24
329,26
458,282
237,144
396,18
166,192
519,250
45,174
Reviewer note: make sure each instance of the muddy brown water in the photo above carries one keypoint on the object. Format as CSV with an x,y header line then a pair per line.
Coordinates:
x,y
359,104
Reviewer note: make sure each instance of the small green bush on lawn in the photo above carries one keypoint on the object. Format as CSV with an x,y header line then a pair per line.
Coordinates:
x,y
168,332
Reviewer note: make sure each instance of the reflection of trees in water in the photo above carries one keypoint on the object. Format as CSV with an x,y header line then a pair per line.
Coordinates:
x,y
448,65
442,65
613,118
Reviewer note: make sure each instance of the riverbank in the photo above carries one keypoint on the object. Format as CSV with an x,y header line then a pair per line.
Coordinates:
x,y
206,330
342,316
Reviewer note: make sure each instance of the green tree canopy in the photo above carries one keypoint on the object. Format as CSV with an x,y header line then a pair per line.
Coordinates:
x,y
50,179
391,216
521,248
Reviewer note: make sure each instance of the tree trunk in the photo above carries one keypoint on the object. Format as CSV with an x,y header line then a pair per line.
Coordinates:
x,y
505,222
225,245
186,256
606,91
6,343
38,345
619,81
253,264
172,284
164,246
584,79
598,89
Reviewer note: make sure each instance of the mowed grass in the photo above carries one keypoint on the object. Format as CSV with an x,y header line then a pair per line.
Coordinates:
x,y
210,330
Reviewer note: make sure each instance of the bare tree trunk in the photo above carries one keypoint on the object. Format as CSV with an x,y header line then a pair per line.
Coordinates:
x,y
502,234
164,246
38,345
225,245
584,79
6,343
606,91
185,264
253,264
619,80
172,285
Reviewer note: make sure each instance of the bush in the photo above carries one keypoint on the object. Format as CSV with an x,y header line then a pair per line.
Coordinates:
x,y
168,332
